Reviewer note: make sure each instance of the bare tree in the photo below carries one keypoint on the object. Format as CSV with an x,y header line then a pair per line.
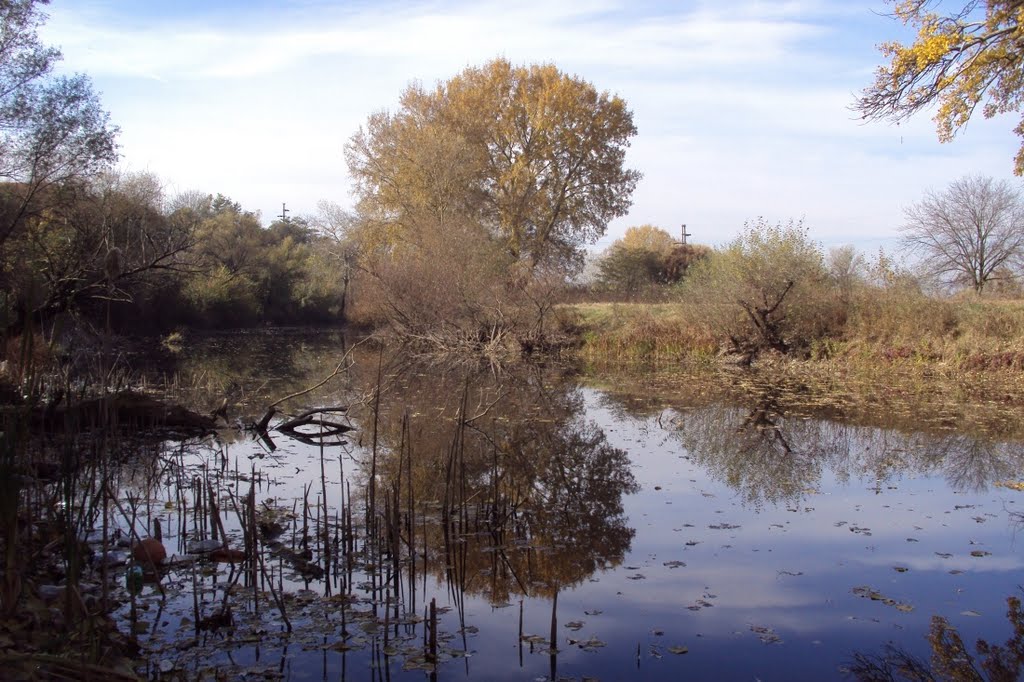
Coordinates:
x,y
335,225
968,233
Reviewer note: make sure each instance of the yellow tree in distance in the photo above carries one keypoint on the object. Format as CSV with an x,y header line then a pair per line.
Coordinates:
x,y
647,238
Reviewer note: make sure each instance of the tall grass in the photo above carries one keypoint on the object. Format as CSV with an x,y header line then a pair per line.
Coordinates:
x,y
881,327
642,332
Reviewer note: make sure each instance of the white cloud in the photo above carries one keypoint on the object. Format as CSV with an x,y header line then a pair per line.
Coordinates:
x,y
742,109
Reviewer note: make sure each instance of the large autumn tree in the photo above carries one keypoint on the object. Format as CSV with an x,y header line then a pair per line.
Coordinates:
x,y
533,156
970,55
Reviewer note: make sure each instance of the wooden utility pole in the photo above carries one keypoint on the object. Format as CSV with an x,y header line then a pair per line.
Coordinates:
x,y
284,215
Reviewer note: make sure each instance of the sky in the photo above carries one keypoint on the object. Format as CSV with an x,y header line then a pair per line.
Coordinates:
x,y
743,107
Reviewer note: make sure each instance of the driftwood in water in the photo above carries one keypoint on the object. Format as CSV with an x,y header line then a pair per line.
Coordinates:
x,y
264,422
310,417
327,429
127,409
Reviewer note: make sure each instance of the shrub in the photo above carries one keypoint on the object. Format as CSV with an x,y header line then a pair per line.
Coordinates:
x,y
768,289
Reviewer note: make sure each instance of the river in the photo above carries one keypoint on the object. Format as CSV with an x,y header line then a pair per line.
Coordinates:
x,y
663,524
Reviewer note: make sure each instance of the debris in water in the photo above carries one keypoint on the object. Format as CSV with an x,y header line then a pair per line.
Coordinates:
x,y
765,634
875,595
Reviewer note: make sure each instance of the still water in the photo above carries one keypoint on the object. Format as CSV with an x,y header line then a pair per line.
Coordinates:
x,y
661,525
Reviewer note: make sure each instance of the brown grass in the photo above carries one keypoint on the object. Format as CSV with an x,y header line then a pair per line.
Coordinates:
x,y
883,328
642,332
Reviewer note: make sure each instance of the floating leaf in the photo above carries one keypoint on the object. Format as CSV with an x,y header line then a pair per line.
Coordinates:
x,y
678,650
592,643
765,634
875,595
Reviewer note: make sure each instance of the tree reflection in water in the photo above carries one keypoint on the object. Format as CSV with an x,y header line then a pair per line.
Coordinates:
x,y
771,453
520,493
950,657
765,457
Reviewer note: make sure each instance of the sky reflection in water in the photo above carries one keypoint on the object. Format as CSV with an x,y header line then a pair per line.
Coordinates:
x,y
751,538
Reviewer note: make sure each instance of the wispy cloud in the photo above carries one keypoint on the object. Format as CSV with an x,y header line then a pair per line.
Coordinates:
x,y
743,107
591,33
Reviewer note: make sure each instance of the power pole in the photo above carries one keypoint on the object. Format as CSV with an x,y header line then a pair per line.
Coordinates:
x,y
685,234
285,211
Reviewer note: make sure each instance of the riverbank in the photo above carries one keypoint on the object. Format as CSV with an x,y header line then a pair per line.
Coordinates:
x,y
914,333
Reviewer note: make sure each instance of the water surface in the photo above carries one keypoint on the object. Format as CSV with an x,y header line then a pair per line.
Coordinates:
x,y
671,524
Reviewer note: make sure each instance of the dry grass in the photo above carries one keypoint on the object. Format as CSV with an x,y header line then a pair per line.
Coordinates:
x,y
965,334
642,332
883,328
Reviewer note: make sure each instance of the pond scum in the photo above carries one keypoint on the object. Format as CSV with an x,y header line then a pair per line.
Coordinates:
x,y
154,528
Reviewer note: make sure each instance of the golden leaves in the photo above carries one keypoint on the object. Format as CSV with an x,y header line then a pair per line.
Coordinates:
x,y
535,156
957,61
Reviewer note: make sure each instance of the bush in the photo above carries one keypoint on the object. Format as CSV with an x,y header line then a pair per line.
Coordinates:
x,y
768,289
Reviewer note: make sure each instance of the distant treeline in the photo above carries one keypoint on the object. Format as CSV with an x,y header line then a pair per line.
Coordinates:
x,y
199,260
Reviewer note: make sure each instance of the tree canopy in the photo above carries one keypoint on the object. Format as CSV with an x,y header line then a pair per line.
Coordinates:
x,y
972,56
52,128
637,260
648,238
533,156
646,256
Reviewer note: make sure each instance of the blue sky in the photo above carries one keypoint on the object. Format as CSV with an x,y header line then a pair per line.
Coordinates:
x,y
742,106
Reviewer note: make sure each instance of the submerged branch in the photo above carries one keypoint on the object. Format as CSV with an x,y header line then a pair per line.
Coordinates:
x,y
309,417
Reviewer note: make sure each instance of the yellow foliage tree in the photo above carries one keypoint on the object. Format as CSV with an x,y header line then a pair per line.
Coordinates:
x,y
647,238
973,56
533,156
